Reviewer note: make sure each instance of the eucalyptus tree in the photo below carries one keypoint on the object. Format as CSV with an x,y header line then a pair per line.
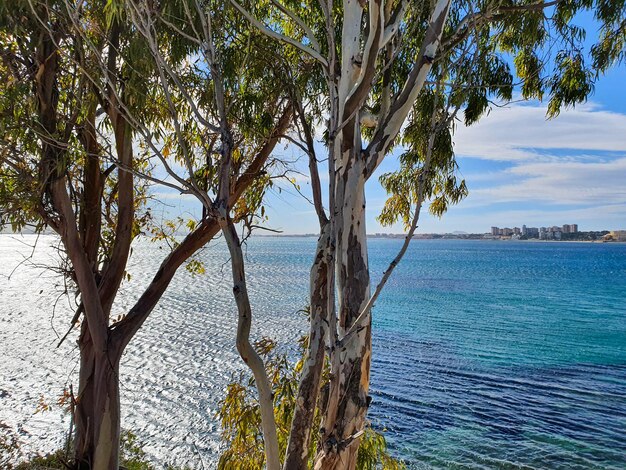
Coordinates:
x,y
54,176
218,102
398,72
81,113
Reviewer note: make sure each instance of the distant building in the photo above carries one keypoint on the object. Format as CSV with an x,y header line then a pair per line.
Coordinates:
x,y
543,233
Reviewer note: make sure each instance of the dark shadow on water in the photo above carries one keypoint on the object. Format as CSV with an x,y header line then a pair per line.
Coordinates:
x,y
443,410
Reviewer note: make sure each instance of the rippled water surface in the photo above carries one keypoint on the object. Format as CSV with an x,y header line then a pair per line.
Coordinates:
x,y
486,354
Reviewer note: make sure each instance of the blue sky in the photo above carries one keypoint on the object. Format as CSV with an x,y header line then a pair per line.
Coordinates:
x,y
519,167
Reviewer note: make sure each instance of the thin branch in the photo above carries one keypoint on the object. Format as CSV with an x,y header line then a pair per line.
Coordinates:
x,y
281,37
306,28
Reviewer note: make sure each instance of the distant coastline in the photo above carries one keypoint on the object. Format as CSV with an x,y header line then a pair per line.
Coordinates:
x,y
581,237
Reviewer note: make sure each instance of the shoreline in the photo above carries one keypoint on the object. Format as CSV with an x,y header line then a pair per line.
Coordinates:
x,y
447,237
379,237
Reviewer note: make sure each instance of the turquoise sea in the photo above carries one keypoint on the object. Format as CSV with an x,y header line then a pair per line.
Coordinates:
x,y
503,354
487,354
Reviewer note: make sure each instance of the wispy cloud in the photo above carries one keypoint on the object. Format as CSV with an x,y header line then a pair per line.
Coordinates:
x,y
520,168
567,182
520,132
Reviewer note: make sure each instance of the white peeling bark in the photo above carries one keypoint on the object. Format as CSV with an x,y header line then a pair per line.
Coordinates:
x,y
351,50
348,400
349,168
348,396
346,406
391,124
372,45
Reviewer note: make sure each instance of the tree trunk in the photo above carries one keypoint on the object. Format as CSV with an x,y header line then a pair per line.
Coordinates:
x,y
308,391
107,413
84,401
245,349
97,409
348,397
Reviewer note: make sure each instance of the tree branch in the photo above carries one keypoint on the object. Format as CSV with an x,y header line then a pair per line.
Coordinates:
x,y
389,125
281,37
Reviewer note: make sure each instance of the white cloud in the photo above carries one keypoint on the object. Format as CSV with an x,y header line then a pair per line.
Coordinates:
x,y
576,161
568,182
520,132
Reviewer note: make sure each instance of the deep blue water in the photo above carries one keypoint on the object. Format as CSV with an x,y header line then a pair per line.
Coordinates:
x,y
495,354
